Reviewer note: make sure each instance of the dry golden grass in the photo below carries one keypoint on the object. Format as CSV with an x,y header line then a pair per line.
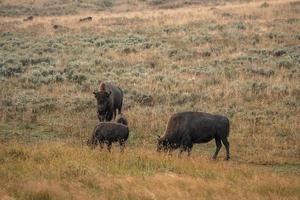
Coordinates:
x,y
56,170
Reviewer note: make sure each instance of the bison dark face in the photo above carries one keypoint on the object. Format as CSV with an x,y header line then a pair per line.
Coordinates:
x,y
103,103
162,145
91,142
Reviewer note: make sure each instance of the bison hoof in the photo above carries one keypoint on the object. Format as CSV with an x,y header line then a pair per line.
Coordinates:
x,y
227,158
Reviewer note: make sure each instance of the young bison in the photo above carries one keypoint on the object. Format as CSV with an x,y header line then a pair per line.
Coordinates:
x,y
187,128
107,133
121,119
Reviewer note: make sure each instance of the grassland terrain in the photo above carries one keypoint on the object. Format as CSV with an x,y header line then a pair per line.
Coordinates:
x,y
240,59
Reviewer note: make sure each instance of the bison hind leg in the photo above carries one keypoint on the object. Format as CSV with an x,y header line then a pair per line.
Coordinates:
x,y
218,147
226,144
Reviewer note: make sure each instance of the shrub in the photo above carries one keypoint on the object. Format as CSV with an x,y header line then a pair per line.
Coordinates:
x,y
128,50
280,89
183,98
279,52
38,195
213,26
296,93
264,5
261,52
78,104
156,2
263,71
143,99
274,35
257,86
206,52
239,25
108,3
199,70
211,81
284,63
74,76
29,99
10,69
44,74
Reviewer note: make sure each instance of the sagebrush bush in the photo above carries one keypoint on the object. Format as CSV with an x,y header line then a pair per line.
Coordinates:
x,y
239,25
263,71
198,70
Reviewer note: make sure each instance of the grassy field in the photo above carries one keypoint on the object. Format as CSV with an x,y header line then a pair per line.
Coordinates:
x,y
236,58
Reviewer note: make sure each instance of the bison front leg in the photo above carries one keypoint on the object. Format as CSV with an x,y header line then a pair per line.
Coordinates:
x,y
122,145
100,117
114,114
218,147
189,150
185,148
109,146
101,144
108,116
186,145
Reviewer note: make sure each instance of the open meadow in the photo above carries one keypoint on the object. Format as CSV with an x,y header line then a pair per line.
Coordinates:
x,y
240,59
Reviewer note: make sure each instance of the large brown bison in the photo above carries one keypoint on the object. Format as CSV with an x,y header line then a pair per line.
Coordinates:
x,y
109,100
107,133
187,128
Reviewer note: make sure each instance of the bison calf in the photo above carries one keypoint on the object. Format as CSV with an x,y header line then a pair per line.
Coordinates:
x,y
107,133
121,119
187,128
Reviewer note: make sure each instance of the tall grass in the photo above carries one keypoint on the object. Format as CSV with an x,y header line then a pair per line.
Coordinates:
x,y
56,170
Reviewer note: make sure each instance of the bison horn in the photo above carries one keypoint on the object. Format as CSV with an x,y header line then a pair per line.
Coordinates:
x,y
102,86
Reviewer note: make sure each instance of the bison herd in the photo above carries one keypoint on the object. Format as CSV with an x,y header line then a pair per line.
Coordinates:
x,y
183,130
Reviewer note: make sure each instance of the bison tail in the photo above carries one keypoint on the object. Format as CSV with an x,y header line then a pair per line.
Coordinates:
x,y
228,129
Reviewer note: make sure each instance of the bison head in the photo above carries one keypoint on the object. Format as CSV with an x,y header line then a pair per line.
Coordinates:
x,y
162,145
103,102
91,142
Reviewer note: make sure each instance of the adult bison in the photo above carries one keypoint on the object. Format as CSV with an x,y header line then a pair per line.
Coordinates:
x,y
109,100
107,133
187,128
